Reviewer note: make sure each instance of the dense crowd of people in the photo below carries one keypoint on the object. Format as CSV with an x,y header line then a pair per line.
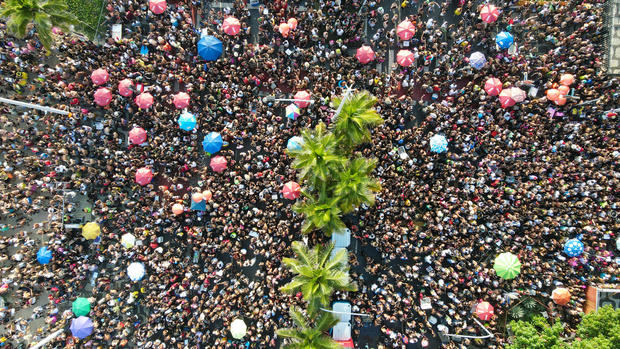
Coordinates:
x,y
522,179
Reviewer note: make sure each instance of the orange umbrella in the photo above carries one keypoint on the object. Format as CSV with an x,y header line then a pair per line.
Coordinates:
x,y
553,94
405,58
177,209
292,23
181,100
365,54
561,296
567,79
231,26
405,30
484,311
284,28
103,96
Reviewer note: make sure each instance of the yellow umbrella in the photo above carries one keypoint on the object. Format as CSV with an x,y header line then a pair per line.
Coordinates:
x,y
91,230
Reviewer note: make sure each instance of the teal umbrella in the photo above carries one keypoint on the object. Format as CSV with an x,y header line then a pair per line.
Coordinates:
x,y
81,307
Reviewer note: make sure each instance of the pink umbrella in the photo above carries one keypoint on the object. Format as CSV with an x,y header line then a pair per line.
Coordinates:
x,y
484,311
511,96
365,54
219,163
303,95
405,58
137,135
284,28
125,88
99,76
144,176
181,100
567,79
144,100
405,30
518,94
231,26
493,86
157,6
103,96
291,190
489,13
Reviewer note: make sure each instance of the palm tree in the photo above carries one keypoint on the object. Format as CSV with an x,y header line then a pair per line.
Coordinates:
x,y
323,214
316,275
42,14
318,159
355,186
356,117
303,336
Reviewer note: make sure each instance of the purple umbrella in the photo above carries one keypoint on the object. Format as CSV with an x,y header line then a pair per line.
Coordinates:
x,y
81,327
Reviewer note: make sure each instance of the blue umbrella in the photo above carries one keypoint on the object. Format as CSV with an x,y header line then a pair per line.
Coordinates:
x,y
295,143
573,248
209,48
44,255
81,327
187,121
439,144
477,60
198,206
212,143
504,40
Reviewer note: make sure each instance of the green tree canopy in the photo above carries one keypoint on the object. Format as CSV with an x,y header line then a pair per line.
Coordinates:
x,y
356,117
354,185
42,14
309,336
537,334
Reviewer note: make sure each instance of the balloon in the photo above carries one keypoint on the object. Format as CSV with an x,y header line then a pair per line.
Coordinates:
x,y
197,197
177,209
553,94
207,195
564,90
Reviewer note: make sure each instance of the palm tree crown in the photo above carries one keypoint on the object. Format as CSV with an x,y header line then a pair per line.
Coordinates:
x,y
356,117
43,14
317,276
355,186
303,336
323,214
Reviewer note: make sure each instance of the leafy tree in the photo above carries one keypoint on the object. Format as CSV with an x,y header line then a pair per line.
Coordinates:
x,y
354,186
537,334
323,214
306,336
600,327
316,275
42,14
318,160
352,127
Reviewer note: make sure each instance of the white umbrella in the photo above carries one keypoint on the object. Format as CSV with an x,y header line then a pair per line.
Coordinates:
x,y
618,243
136,271
128,240
238,329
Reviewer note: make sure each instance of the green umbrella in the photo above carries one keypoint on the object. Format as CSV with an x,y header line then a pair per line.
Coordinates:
x,y
507,266
81,307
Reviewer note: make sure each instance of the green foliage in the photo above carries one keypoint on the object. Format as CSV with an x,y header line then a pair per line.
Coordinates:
x,y
316,275
88,12
323,214
309,334
42,14
526,310
355,186
536,334
600,326
352,127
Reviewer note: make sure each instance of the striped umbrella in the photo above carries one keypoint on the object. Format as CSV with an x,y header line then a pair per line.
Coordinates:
x,y
507,266
405,58
484,311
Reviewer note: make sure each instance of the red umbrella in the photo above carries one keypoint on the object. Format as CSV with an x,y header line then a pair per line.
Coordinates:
x,y
365,54
219,163
291,190
484,311
181,100
405,58
157,6
144,100
103,96
99,76
493,86
144,176
137,135
231,26
303,95
405,30
125,88
489,13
